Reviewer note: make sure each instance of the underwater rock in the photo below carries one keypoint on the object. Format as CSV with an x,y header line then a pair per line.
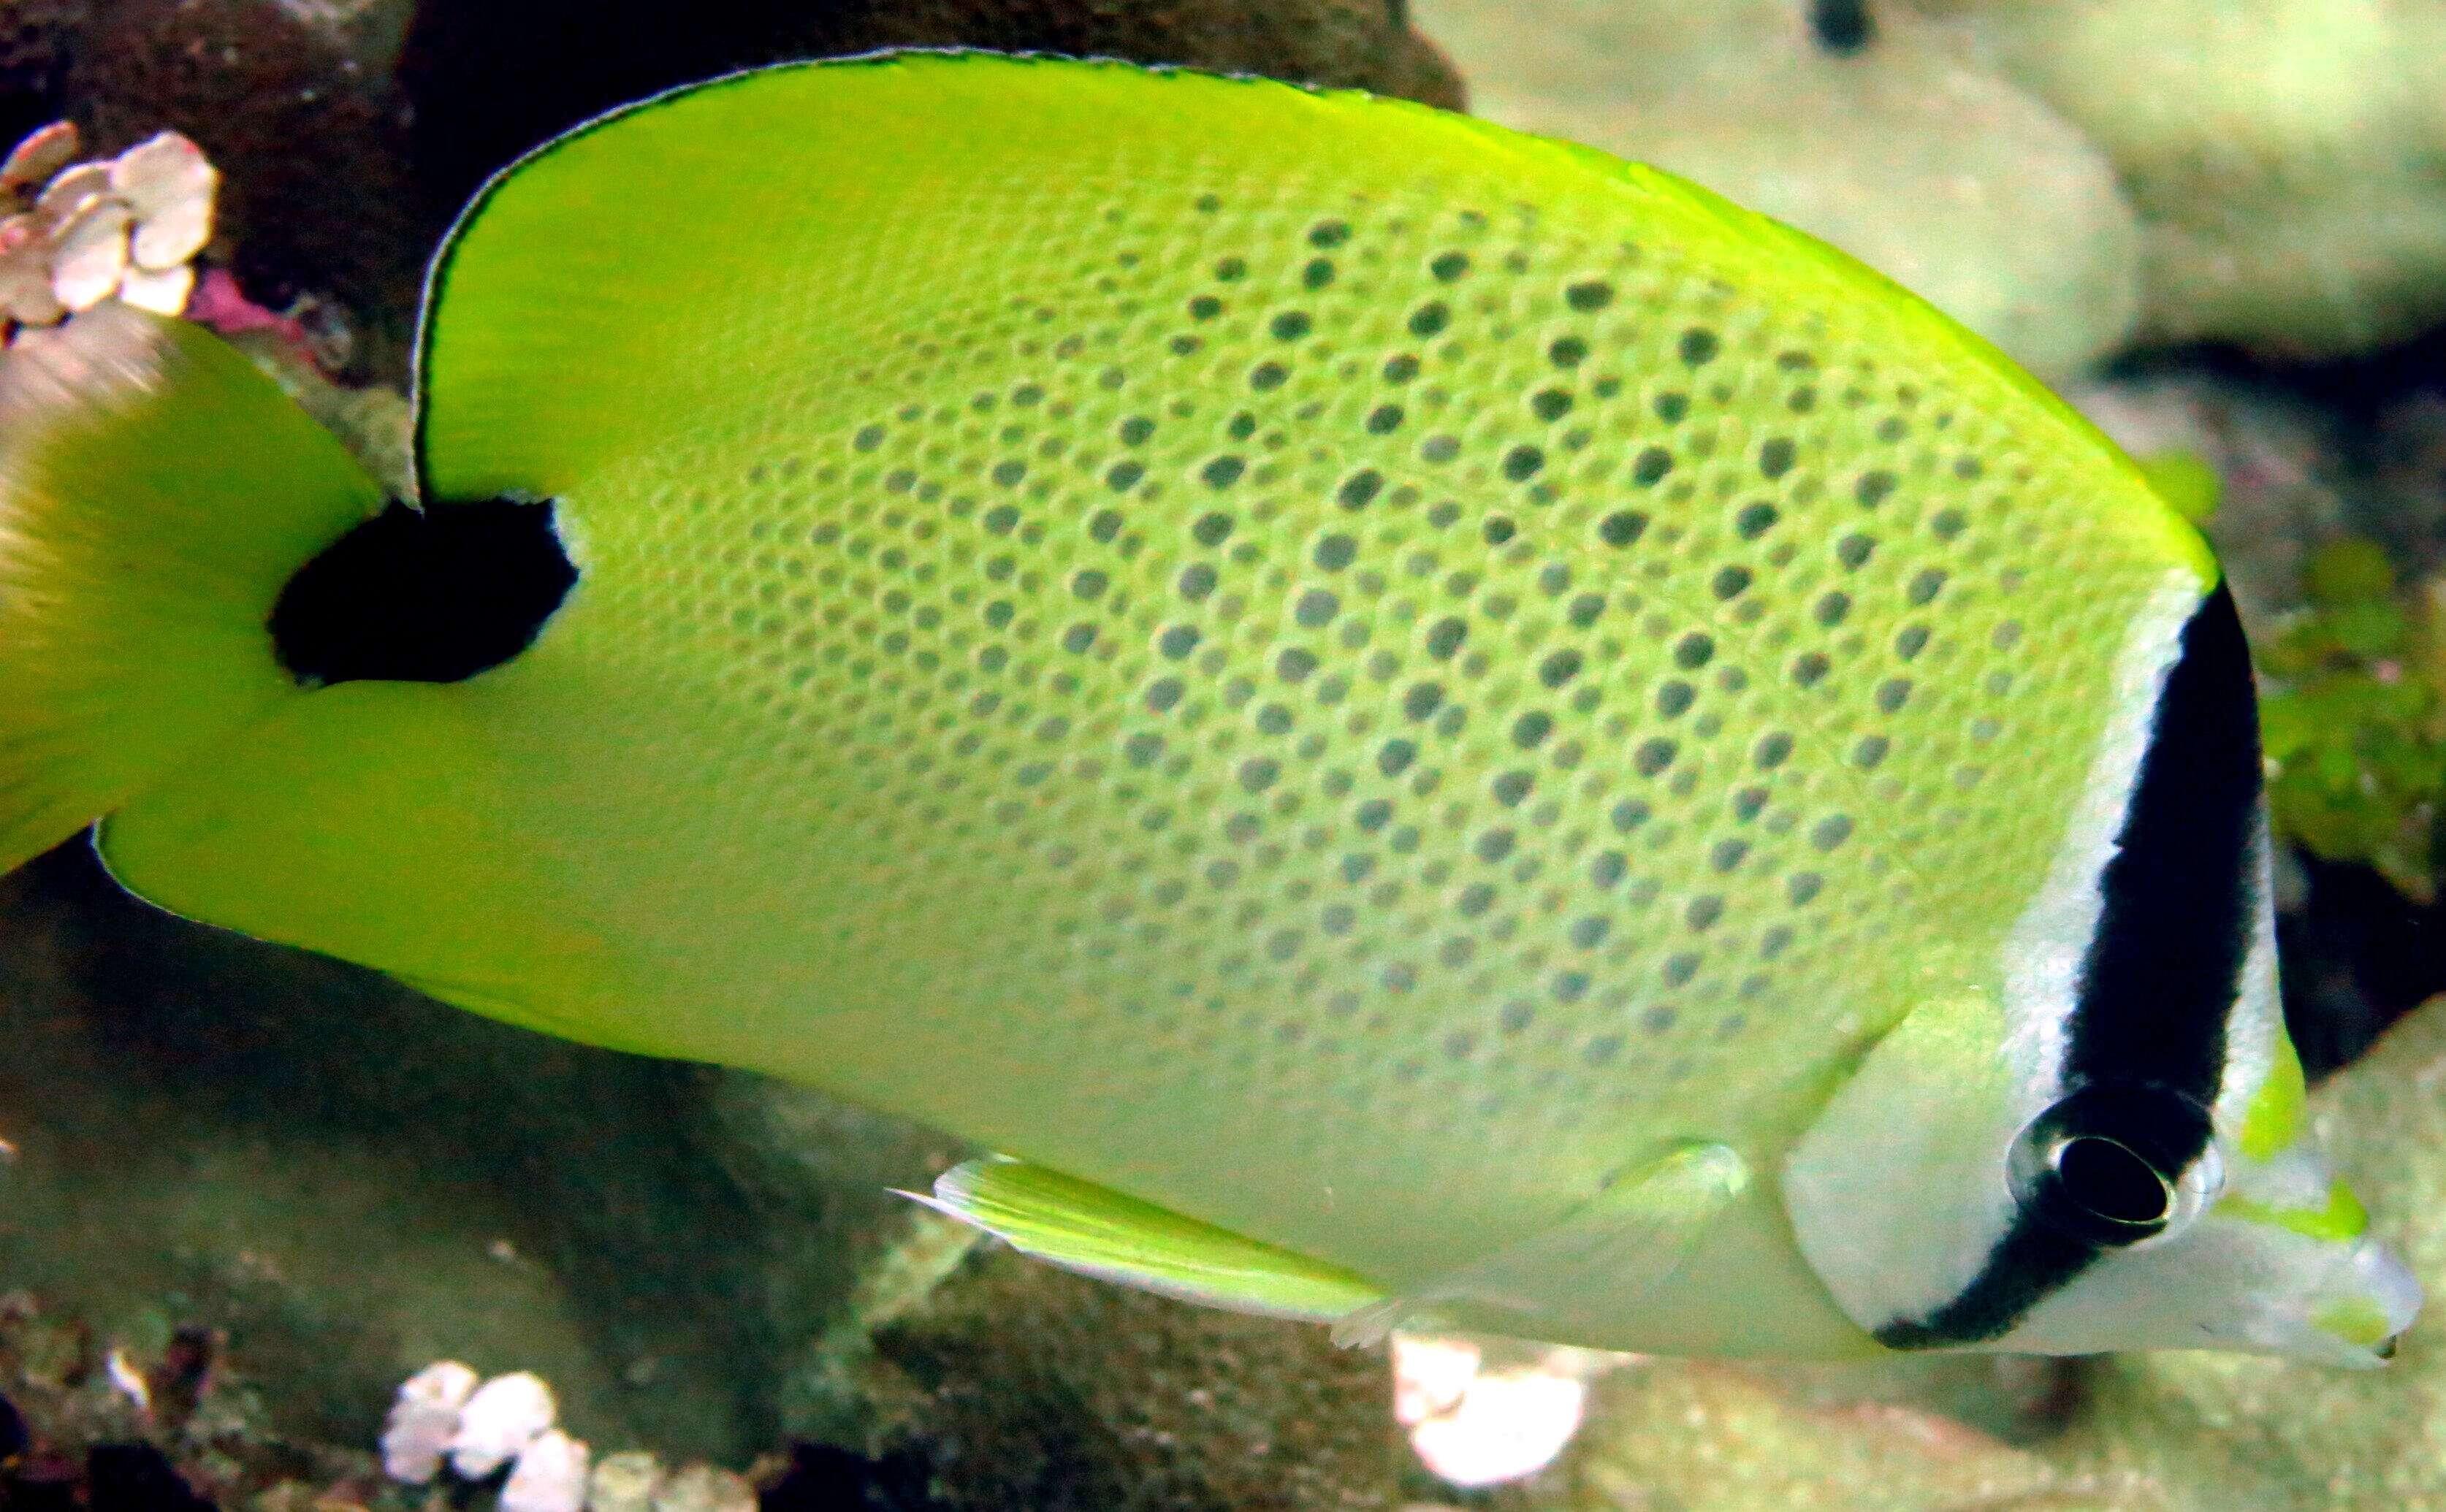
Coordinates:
x,y
2283,154
1707,1438
625,1483
2408,481
842,1253
352,1182
35,38
87,1425
703,1489
1938,173
1019,1385
2263,173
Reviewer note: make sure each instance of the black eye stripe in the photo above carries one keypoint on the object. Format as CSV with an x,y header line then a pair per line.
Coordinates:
x,y
2164,967
2027,1264
2166,959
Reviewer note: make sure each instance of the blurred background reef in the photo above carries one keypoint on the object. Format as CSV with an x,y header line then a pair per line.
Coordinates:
x,y
245,1193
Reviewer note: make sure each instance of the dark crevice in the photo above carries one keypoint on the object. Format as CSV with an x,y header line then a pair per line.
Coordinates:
x,y
1842,27
2353,390
823,1478
2357,955
137,1478
433,596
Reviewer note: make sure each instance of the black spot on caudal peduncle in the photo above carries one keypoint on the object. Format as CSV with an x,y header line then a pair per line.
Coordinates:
x,y
433,596
1842,27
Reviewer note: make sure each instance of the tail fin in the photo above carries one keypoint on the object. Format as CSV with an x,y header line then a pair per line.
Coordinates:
x,y
156,494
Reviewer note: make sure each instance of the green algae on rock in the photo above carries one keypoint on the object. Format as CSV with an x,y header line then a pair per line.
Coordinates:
x,y
2354,717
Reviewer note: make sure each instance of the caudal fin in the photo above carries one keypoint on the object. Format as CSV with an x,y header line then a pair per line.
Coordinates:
x,y
156,492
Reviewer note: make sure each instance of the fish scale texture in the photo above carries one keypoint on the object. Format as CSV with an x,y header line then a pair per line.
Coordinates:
x,y
1246,672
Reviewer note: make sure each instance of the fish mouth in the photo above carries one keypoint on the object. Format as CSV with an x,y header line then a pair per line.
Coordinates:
x,y
2368,1306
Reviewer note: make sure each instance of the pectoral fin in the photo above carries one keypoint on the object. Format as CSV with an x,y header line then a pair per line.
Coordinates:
x,y
1631,1238
1098,1232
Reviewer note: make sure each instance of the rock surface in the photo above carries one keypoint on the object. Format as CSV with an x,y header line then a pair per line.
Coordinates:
x,y
2287,158
1928,167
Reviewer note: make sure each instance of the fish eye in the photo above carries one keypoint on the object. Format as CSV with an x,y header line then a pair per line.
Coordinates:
x,y
2112,1184
2117,1165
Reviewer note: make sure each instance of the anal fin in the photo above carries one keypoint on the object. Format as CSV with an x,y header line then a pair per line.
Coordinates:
x,y
1098,1232
1634,1237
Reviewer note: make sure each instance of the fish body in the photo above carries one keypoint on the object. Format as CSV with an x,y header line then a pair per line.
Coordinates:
x,y
1413,722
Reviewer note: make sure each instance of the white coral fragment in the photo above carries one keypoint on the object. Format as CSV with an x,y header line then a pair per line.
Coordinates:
x,y
1473,1426
127,227
89,254
506,1415
1509,1424
549,1476
40,156
423,1419
25,297
441,1413
69,191
169,187
163,293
